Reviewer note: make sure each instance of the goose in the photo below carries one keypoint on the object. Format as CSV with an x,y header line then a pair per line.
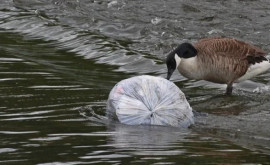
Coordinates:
x,y
219,60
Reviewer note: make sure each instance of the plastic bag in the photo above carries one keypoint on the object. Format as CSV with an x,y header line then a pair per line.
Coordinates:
x,y
148,100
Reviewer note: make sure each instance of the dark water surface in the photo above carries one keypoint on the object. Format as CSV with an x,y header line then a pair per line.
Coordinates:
x,y
60,58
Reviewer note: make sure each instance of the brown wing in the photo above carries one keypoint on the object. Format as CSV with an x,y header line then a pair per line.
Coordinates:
x,y
230,47
228,57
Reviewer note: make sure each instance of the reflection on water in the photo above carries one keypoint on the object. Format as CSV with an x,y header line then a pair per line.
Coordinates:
x,y
60,59
145,140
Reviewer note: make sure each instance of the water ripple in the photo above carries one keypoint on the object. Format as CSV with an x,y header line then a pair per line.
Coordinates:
x,y
18,133
60,58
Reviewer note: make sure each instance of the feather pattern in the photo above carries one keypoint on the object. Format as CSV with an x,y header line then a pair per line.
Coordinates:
x,y
221,60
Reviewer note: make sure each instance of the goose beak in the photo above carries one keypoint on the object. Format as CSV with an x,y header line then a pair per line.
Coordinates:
x,y
169,74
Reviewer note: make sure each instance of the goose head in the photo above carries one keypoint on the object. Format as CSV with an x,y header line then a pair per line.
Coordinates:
x,y
185,50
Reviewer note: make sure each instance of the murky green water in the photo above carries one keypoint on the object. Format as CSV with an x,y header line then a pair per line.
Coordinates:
x,y
59,59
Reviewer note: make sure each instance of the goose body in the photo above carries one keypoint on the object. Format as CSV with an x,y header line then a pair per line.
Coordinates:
x,y
218,60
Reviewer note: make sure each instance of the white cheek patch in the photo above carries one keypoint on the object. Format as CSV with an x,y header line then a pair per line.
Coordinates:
x,y
177,59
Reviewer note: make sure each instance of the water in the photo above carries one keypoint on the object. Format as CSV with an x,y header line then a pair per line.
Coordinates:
x,y
59,60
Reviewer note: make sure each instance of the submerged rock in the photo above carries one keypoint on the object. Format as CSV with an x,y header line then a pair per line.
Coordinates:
x,y
149,100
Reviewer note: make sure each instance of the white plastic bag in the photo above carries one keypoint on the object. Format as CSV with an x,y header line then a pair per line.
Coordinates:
x,y
148,100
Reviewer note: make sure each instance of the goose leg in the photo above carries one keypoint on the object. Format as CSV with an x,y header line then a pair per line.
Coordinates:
x,y
229,89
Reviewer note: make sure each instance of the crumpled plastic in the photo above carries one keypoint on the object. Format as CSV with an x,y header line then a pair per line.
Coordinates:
x,y
149,100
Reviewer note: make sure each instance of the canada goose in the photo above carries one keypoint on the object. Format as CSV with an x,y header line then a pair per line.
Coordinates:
x,y
218,60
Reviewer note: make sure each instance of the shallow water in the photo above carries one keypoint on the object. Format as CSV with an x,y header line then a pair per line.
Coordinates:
x,y
59,60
